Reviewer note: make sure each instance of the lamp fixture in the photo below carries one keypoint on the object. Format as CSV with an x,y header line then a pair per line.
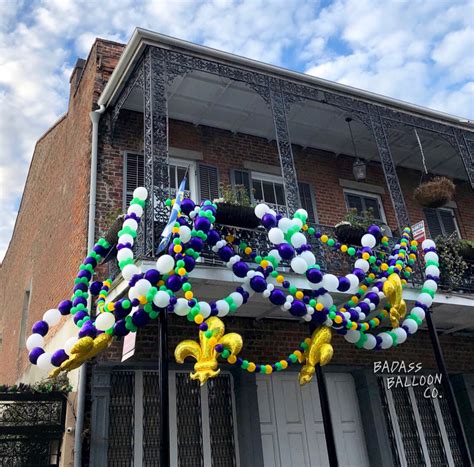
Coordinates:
x,y
359,168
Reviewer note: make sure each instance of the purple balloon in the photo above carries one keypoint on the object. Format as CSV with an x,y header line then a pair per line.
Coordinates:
x,y
225,253
196,244
84,273
40,327
95,287
364,307
152,276
202,223
298,308
375,231
79,300
373,297
87,330
269,221
59,357
189,263
187,205
285,250
140,318
34,354
258,283
120,329
174,283
344,284
359,273
213,237
240,268
314,275
277,297
65,307
80,315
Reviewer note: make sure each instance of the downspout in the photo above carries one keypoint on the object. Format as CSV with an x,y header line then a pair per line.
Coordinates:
x,y
81,388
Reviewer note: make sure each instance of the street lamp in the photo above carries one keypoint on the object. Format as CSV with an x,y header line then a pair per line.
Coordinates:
x,y
359,168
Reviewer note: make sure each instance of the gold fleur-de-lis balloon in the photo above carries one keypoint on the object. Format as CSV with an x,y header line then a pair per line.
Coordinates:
x,y
392,288
318,351
84,349
204,352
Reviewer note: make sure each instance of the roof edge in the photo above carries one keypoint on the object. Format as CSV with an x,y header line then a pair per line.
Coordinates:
x,y
142,37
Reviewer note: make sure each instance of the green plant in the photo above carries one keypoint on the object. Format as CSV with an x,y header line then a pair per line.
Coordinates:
x,y
47,385
237,195
466,243
360,220
451,264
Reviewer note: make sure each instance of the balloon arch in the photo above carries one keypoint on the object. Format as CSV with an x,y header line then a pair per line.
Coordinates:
x,y
375,285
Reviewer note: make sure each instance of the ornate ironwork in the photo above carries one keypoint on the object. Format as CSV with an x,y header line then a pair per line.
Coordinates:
x,y
388,166
155,143
151,422
31,428
465,153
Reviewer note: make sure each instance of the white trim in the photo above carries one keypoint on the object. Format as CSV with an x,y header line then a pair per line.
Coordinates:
x,y
419,426
267,177
367,195
361,186
191,174
187,154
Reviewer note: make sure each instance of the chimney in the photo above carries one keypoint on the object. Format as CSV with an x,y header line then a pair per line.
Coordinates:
x,y
76,76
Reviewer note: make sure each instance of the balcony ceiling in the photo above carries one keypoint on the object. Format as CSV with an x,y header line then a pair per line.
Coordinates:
x,y
206,99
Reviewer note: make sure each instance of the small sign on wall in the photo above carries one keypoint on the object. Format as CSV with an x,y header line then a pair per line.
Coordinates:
x,y
418,231
128,349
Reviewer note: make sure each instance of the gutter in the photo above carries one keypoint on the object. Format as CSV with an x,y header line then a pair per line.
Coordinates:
x,y
81,389
142,37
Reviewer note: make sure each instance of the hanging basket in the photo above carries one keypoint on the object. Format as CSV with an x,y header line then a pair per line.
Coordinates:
x,y
466,250
435,193
237,216
348,234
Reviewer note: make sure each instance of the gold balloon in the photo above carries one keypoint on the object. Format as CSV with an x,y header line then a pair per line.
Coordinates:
x,y
392,288
204,352
84,349
319,351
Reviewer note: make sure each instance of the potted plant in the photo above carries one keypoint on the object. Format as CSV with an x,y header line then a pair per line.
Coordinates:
x,y
235,208
354,226
451,263
466,249
434,192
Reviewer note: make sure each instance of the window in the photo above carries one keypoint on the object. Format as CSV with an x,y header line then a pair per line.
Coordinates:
x,y
24,318
177,171
420,428
269,189
441,221
134,175
306,201
208,182
362,202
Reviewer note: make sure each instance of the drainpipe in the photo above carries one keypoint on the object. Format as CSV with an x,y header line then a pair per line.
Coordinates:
x,y
81,389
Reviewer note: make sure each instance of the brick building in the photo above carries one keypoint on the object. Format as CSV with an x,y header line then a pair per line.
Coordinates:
x,y
165,103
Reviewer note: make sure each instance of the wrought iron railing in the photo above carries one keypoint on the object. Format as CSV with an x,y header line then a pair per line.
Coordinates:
x,y
328,258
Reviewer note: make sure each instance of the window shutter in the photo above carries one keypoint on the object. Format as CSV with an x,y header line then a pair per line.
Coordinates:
x,y
208,182
432,220
134,175
306,201
447,221
241,177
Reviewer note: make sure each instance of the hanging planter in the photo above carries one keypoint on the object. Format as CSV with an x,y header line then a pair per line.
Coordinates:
x,y
432,192
466,249
435,193
348,234
236,215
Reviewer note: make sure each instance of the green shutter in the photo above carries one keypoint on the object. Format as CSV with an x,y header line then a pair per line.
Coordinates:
x,y
306,201
208,182
134,175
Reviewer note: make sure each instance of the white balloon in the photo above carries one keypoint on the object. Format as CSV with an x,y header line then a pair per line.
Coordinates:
x,y
419,312
161,299
430,284
69,344
274,253
261,210
411,324
368,240
387,340
303,212
308,257
222,308
44,361
428,244
132,223
135,209
352,336
35,340
370,343
330,282
104,321
125,238
431,256
52,317
142,286
298,240
432,271
354,280
204,309
181,308
401,335
362,264
284,224
124,253
298,222
129,271
326,300
425,299
185,233
133,293
141,193
299,265
237,297
165,264
275,235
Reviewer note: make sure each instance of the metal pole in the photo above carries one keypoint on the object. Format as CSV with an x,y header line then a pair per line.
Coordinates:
x,y
325,411
448,389
164,399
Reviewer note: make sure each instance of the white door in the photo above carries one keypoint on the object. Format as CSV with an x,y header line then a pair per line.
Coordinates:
x,y
292,427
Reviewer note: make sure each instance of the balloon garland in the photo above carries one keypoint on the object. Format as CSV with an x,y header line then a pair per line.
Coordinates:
x,y
378,274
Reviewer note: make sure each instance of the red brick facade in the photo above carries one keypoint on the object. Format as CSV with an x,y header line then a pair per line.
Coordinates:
x,y
50,236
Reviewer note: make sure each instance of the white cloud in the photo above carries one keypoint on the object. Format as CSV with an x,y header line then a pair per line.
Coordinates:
x,y
418,51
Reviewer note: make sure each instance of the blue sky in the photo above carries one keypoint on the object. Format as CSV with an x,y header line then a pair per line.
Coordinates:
x,y
415,50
